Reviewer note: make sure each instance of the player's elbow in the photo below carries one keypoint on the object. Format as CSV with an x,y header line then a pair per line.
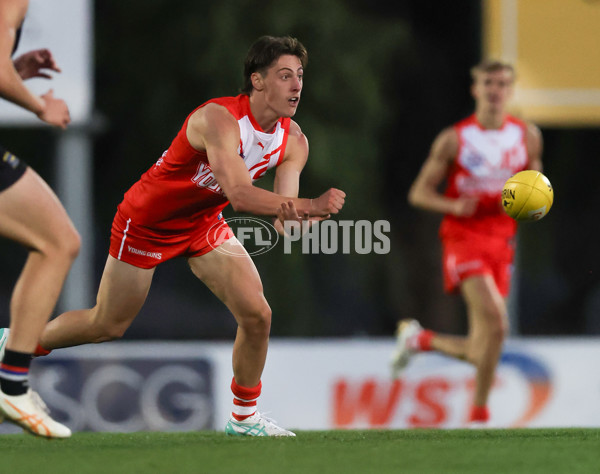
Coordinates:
x,y
420,195
238,199
239,205
414,197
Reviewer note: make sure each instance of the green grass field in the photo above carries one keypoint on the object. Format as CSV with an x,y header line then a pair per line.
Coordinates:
x,y
369,451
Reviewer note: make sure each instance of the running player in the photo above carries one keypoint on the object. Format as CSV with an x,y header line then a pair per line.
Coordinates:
x,y
475,157
31,215
223,146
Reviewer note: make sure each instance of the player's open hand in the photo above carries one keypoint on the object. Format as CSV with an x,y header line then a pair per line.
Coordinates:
x,y
288,212
330,202
287,216
36,64
55,111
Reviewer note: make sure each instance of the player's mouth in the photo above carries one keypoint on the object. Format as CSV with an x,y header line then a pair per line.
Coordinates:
x,y
293,101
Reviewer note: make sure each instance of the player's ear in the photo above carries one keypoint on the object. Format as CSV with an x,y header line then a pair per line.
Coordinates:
x,y
473,90
257,81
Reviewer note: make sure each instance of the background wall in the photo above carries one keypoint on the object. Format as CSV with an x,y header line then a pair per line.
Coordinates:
x,y
381,82
184,386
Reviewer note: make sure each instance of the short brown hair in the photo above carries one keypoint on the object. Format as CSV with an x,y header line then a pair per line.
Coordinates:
x,y
492,65
265,51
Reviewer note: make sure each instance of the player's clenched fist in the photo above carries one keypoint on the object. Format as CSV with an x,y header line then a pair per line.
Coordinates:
x,y
55,111
465,206
330,202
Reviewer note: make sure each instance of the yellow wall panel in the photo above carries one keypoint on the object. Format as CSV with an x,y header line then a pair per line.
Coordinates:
x,y
555,46
492,37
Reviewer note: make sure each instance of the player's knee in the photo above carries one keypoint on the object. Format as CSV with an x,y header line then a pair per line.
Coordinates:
x,y
496,335
64,247
496,327
256,320
104,329
106,333
499,330
71,245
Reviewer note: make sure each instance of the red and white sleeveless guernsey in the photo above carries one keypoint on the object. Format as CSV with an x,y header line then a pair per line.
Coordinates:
x,y
180,191
171,210
486,158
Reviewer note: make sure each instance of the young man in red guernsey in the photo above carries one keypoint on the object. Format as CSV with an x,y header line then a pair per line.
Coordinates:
x,y
475,157
223,146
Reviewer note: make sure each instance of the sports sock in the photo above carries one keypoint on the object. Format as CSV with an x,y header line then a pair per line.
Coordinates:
x,y
14,372
40,351
479,413
244,400
424,340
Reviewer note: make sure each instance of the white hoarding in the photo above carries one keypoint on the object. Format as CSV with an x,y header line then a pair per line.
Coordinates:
x,y
315,385
337,384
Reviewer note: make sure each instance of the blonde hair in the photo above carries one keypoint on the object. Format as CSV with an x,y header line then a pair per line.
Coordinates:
x,y
492,65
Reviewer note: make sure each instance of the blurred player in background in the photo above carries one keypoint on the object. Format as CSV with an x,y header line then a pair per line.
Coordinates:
x,y
31,215
223,147
475,157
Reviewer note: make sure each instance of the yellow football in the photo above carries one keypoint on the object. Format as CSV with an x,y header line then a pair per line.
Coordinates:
x,y
527,196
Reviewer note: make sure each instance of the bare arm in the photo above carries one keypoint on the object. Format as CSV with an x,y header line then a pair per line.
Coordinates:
x,y
424,191
212,128
287,182
36,63
534,147
287,174
12,88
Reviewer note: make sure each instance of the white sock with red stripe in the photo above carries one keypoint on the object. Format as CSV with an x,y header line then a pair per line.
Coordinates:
x,y
244,400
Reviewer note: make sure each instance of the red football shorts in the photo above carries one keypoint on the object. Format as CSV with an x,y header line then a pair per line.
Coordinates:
x,y
144,247
462,259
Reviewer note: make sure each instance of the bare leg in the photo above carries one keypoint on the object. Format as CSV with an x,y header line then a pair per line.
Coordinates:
x,y
122,293
453,346
488,324
31,214
235,281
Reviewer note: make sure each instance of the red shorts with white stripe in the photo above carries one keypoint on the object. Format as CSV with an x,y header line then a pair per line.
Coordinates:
x,y
466,258
144,247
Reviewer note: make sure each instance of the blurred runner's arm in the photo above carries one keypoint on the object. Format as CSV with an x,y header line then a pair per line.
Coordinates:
x,y
424,191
